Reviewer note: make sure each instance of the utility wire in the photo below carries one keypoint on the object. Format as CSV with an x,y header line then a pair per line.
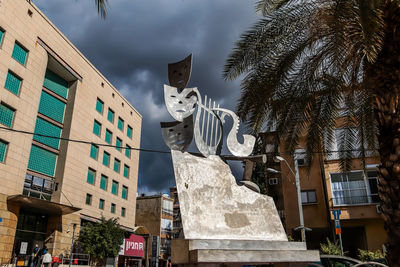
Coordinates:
x,y
166,152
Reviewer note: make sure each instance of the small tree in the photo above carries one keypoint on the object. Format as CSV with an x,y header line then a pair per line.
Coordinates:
x,y
101,240
330,248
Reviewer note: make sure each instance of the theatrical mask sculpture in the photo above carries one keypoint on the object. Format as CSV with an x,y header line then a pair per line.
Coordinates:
x,y
178,135
180,104
179,72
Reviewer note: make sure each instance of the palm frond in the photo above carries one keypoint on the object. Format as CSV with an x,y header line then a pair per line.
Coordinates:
x,y
101,7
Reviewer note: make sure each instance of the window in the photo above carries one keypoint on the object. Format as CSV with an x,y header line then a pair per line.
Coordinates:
x,y
117,165
112,208
124,192
128,151
56,84
129,132
1,36
3,150
13,83
108,136
20,53
114,188
42,161
94,151
6,115
120,124
166,226
308,197
106,159
123,212
349,188
51,107
97,128
91,176
126,171
167,206
103,182
88,199
99,106
44,127
101,204
118,144
110,115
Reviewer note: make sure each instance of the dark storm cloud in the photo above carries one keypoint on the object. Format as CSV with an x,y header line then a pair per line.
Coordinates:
x,y
133,46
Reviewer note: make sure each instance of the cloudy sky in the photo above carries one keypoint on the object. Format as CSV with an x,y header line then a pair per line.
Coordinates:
x,y
133,46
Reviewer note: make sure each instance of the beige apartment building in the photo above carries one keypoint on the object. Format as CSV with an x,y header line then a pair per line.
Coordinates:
x,y
155,213
48,185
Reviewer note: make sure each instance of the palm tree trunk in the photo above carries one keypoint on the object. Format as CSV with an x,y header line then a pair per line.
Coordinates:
x,y
384,79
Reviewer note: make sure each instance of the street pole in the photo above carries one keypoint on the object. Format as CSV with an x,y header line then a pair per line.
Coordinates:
x,y
72,244
302,229
341,245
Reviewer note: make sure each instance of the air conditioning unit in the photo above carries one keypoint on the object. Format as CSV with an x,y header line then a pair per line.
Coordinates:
x,y
300,157
378,209
273,181
301,162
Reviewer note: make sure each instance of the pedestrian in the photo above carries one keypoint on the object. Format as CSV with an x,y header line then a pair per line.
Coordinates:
x,y
47,259
35,255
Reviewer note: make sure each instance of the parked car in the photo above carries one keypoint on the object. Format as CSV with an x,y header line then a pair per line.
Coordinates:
x,y
339,261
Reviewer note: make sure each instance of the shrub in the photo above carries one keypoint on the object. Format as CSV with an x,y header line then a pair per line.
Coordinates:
x,y
366,255
330,248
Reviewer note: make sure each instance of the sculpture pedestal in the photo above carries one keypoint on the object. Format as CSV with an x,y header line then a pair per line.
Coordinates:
x,y
199,252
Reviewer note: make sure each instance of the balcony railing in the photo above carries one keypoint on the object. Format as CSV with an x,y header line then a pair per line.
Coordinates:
x,y
355,200
38,187
168,212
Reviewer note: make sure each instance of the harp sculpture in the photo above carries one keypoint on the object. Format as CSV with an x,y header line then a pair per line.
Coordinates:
x,y
222,221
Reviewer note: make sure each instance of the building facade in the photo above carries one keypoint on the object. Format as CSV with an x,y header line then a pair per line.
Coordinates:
x,y
50,184
324,189
177,220
155,213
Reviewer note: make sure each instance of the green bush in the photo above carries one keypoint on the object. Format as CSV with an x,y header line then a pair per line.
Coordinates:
x,y
330,248
366,255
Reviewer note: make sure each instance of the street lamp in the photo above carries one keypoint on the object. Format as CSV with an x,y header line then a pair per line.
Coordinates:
x,y
296,175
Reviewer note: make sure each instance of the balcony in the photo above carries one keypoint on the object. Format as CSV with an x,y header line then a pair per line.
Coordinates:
x,y
355,200
167,212
38,187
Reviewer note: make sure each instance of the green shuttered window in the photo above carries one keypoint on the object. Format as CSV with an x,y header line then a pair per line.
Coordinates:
x,y
88,199
123,212
101,204
106,159
108,136
46,128
19,53
6,115
3,150
1,36
103,182
42,161
110,115
128,151
94,151
114,188
13,83
112,208
120,124
124,192
118,144
126,171
97,128
91,176
117,165
51,107
55,83
99,106
129,132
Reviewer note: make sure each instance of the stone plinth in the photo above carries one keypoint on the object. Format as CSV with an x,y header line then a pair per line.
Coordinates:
x,y
240,251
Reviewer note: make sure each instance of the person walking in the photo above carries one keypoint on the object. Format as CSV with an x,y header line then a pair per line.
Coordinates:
x,y
35,255
47,259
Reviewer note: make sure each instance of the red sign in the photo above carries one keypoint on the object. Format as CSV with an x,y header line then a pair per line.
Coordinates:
x,y
338,231
134,246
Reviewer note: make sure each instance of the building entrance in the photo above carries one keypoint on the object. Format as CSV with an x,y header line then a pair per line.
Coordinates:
x,y
31,230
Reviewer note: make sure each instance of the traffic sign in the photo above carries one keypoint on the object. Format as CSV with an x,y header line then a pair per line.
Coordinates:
x,y
337,224
1,219
336,214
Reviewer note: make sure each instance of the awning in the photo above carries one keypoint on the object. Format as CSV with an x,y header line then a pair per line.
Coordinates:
x,y
40,205
141,230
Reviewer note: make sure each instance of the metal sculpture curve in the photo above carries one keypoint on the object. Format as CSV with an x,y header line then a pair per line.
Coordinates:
x,y
207,128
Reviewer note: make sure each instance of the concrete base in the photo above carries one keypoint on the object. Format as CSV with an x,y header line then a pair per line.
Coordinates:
x,y
240,252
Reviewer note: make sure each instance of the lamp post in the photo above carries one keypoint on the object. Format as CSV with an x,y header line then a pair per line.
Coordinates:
x,y
72,244
297,177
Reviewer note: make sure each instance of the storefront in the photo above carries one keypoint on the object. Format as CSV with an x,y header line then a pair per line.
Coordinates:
x,y
132,251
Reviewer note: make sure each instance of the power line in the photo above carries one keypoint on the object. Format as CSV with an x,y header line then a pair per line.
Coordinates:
x,y
169,152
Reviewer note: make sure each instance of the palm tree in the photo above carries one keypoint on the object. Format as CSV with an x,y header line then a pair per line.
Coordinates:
x,y
101,7
310,64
